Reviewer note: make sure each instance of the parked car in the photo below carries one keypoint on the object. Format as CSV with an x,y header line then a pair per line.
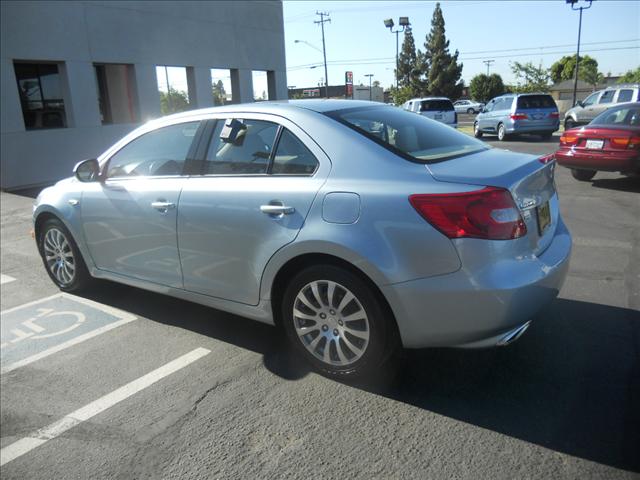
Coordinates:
x,y
356,227
610,143
513,114
596,103
436,108
467,106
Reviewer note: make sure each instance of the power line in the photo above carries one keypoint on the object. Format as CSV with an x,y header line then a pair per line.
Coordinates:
x,y
388,60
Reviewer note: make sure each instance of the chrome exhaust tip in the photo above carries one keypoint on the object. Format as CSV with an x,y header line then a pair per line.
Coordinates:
x,y
512,335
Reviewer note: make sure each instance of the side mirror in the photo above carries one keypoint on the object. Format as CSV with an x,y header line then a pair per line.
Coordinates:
x,y
483,110
580,104
87,170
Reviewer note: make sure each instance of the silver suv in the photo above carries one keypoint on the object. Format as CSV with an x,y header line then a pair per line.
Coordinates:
x,y
596,103
435,108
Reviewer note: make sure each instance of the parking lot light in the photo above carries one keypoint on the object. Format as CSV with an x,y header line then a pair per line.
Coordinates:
x,y
573,4
404,23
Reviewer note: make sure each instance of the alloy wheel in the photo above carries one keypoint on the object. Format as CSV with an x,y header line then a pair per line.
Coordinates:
x,y
331,323
59,256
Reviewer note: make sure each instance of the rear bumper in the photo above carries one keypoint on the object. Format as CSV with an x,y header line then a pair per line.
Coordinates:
x,y
479,309
518,128
623,161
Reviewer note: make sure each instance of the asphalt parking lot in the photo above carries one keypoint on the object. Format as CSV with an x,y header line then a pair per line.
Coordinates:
x,y
123,383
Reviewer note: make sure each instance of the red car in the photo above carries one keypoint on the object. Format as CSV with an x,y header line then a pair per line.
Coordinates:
x,y
610,143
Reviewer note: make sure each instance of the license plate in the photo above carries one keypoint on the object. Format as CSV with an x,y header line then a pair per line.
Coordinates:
x,y
544,217
437,117
595,144
538,116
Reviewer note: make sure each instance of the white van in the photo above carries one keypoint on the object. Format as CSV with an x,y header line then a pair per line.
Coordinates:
x,y
435,108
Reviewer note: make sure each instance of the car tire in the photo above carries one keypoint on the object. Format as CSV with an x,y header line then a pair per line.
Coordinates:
x,y
315,325
583,175
569,123
61,257
502,133
470,111
476,130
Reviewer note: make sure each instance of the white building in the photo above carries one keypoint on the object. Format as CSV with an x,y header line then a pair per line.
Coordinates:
x,y
78,75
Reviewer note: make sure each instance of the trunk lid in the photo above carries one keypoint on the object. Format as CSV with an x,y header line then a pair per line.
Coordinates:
x,y
530,182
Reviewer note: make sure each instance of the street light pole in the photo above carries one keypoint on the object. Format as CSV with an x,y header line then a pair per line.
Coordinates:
x,y
403,22
575,79
369,75
324,50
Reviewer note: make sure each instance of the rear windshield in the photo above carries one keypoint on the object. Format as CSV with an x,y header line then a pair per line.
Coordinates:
x,y
435,106
536,101
627,115
413,137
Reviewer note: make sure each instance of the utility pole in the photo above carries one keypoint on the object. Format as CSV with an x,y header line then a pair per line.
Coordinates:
x,y
169,101
575,80
369,75
488,64
324,50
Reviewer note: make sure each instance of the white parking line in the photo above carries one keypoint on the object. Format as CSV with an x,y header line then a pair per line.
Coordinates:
x,y
6,279
124,318
25,445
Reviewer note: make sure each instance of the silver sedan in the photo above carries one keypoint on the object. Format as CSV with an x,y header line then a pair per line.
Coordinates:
x,y
357,228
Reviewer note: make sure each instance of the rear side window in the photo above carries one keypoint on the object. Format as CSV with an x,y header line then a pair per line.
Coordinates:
x,y
292,157
249,154
413,137
625,95
436,106
535,101
607,96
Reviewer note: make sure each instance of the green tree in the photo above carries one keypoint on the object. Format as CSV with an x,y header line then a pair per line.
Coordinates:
x,y
173,101
530,78
408,72
441,69
632,76
219,94
564,69
485,87
401,95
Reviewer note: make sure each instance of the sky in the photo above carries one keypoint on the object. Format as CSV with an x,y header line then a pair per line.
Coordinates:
x,y
505,31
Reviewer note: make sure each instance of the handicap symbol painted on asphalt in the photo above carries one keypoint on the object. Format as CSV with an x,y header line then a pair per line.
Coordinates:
x,y
38,329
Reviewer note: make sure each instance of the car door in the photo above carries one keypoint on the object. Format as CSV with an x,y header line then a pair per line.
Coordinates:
x,y
605,101
484,118
496,114
251,200
585,113
129,218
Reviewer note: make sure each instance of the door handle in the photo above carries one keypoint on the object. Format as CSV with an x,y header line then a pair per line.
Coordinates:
x,y
163,206
277,209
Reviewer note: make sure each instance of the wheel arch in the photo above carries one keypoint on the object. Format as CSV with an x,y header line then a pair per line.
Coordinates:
x,y
280,280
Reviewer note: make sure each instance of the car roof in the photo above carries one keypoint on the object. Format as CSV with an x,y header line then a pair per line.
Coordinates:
x,y
429,98
279,107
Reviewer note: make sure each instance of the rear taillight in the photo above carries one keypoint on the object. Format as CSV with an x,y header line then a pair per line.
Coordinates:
x,y
634,142
489,213
568,139
547,158
554,115
619,142
518,116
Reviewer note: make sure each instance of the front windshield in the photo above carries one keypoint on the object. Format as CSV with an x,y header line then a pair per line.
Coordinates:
x,y
412,136
628,115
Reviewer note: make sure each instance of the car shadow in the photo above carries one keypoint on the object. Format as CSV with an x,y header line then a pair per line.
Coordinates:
x,y
570,384
623,184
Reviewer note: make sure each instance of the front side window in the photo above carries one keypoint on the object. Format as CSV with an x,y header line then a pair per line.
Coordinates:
x,y
591,99
161,152
625,95
607,96
292,157
413,137
40,90
249,153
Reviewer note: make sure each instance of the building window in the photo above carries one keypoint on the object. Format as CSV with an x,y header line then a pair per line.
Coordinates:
x,y
116,97
260,86
40,90
173,88
221,86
